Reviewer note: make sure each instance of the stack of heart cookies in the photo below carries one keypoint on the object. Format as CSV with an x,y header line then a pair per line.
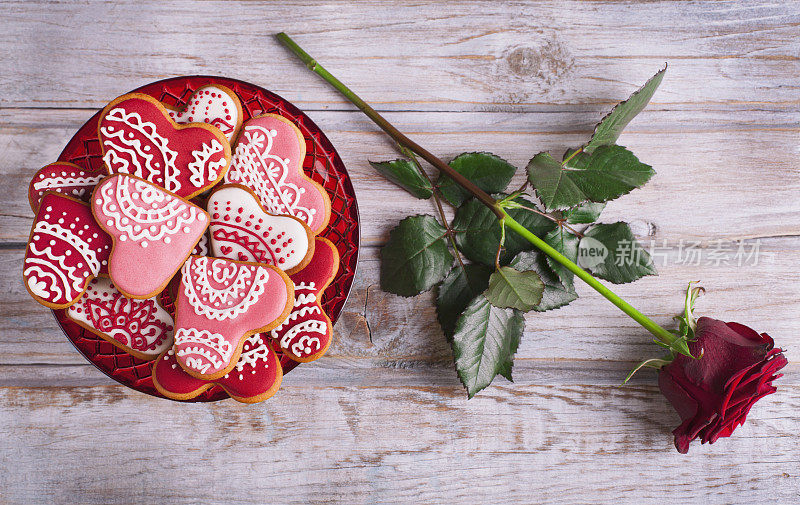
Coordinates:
x,y
201,208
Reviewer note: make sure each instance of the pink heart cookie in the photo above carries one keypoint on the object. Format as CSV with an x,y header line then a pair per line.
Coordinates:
x,y
141,328
306,334
221,303
268,159
255,377
139,138
241,230
154,232
66,178
215,105
66,249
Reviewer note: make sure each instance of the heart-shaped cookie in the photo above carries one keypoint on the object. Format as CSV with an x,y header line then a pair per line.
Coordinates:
x,y
154,231
221,303
213,104
268,159
66,249
65,178
306,334
138,137
141,328
255,377
241,230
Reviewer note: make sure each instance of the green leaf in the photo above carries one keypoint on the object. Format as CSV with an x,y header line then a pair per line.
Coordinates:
x,y
620,259
609,172
585,213
407,175
484,343
512,289
489,172
567,244
610,127
456,291
555,294
479,231
416,256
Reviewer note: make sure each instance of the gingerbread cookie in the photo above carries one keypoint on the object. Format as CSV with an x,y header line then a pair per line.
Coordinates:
x,y
255,377
154,232
241,230
306,334
142,328
268,159
65,178
213,104
221,303
138,137
66,249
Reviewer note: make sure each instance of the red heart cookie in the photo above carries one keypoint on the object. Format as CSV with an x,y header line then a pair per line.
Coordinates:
x,y
255,377
141,328
65,178
139,138
268,159
66,249
221,303
240,229
154,231
215,105
306,334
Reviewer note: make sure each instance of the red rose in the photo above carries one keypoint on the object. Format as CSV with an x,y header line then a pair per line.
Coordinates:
x,y
714,393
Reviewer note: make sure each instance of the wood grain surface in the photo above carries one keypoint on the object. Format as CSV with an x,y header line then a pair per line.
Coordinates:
x,y
382,418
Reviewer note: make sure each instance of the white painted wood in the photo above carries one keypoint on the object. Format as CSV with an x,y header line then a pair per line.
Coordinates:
x,y
461,56
382,418
386,444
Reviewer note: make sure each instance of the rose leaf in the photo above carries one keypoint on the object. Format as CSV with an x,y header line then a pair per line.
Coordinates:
x,y
611,252
610,127
489,172
416,256
478,231
484,343
512,289
456,291
609,172
405,174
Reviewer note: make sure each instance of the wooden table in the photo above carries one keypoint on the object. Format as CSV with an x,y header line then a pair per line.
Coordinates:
x,y
382,418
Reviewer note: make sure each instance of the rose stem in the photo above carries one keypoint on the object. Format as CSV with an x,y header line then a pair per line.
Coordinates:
x,y
650,325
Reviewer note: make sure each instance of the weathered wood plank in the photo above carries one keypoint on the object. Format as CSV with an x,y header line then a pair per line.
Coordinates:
x,y
464,56
389,444
736,156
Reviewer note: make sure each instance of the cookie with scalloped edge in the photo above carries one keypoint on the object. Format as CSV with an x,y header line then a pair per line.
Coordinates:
x,y
221,303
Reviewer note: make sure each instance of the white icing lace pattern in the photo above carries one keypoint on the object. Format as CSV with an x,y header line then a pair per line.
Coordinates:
x,y
304,304
57,182
165,216
85,250
244,284
116,142
266,174
197,168
215,349
258,352
307,344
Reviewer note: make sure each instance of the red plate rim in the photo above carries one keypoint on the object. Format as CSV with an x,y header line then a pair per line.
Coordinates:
x,y
322,163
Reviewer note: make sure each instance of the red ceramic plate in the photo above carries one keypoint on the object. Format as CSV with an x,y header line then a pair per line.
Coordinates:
x,y
322,163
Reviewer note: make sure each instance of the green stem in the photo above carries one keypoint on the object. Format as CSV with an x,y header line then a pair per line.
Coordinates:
x,y
659,332
648,324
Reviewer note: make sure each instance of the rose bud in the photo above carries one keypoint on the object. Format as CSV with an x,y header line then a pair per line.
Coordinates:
x,y
735,367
